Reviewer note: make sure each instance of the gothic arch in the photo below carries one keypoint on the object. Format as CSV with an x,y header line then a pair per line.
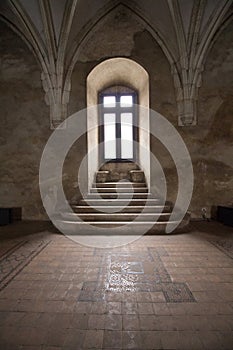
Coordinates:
x,y
84,36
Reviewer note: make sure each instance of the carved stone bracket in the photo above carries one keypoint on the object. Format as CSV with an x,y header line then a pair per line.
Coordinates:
x,y
186,85
187,112
56,99
192,47
49,42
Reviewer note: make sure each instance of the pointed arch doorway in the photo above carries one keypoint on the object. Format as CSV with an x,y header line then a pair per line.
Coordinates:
x,y
116,78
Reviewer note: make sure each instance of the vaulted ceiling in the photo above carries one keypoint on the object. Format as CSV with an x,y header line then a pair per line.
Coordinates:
x,y
54,29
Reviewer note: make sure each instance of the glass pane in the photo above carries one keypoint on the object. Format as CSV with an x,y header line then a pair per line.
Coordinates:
x,y
126,101
127,135
109,101
109,136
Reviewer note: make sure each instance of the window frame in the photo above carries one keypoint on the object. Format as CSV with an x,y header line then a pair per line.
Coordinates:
x,y
118,110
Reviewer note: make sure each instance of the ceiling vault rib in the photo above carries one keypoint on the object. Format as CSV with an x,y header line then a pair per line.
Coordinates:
x,y
30,32
48,30
51,93
52,60
22,35
186,105
227,19
186,49
197,16
65,29
80,38
192,54
78,42
155,32
31,36
64,89
179,28
214,23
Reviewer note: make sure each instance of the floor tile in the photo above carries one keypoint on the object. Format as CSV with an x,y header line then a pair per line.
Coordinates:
x,y
160,292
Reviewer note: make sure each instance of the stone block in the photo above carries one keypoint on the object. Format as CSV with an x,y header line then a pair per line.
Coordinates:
x,y
137,176
102,176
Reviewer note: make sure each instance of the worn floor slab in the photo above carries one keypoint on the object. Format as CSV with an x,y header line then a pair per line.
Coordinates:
x,y
160,292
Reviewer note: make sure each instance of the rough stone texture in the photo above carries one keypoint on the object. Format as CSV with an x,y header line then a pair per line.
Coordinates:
x,y
210,143
119,171
24,125
25,129
25,117
115,34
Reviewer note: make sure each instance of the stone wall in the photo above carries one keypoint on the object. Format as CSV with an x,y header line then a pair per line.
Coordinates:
x,y
25,117
24,125
211,142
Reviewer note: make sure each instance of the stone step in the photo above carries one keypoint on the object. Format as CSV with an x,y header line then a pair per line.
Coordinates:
x,y
119,199
119,190
121,184
122,228
122,202
126,195
116,208
101,217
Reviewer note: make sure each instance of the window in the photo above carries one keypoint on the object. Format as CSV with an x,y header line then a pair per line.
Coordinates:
x,y
113,72
118,119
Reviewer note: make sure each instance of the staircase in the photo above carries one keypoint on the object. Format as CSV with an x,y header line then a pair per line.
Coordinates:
x,y
120,197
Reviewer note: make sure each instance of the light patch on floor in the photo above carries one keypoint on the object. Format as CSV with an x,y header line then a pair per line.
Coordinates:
x,y
160,292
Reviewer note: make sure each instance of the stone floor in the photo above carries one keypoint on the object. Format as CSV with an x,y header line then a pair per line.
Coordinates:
x,y
160,292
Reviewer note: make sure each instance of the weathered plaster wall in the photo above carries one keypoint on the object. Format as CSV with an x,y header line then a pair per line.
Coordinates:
x,y
24,125
130,39
25,129
25,117
209,143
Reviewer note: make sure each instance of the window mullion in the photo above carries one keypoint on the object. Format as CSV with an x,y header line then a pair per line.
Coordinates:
x,y
119,108
118,128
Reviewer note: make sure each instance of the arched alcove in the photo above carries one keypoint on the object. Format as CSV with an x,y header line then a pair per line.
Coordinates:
x,y
122,71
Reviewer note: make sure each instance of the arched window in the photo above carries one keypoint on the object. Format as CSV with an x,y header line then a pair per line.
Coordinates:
x,y
117,74
118,133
